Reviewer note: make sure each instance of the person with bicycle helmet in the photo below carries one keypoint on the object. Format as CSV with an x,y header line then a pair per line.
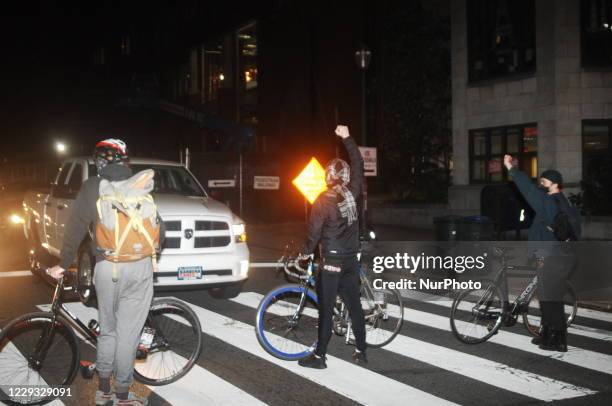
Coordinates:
x,y
123,304
334,223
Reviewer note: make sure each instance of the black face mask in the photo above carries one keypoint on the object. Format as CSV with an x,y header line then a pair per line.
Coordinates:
x,y
543,188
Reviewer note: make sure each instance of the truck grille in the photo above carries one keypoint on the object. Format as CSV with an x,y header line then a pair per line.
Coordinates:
x,y
172,225
211,242
205,234
202,225
172,242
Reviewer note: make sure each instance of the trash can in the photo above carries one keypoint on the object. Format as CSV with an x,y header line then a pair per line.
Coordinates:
x,y
476,228
447,228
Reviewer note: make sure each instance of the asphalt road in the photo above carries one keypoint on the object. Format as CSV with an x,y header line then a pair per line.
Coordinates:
x,y
425,364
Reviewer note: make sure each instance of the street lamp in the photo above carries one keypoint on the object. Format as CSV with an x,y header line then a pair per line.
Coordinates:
x,y
60,147
362,59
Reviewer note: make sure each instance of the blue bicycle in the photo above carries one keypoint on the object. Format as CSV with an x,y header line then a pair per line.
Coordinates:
x,y
287,317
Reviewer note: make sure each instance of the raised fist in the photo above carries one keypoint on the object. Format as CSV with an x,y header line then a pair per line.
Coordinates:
x,y
342,131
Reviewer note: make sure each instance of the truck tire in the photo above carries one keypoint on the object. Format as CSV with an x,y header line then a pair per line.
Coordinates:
x,y
83,283
34,252
228,292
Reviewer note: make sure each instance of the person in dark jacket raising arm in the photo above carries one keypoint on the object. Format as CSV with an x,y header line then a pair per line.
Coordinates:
x,y
334,223
546,200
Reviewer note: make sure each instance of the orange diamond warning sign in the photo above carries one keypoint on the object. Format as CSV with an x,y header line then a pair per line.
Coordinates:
x,y
311,181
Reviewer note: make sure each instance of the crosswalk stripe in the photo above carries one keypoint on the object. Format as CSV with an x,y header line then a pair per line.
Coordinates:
x,y
198,386
489,372
341,377
11,347
576,356
575,329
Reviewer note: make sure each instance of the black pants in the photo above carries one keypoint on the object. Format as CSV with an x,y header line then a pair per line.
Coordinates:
x,y
344,282
551,289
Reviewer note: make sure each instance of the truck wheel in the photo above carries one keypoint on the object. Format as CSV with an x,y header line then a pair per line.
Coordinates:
x,y
34,252
84,279
228,292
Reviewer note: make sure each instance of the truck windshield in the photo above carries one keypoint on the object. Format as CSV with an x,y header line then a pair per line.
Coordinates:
x,y
172,180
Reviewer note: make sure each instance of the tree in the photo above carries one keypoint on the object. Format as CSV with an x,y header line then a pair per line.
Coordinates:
x,y
415,45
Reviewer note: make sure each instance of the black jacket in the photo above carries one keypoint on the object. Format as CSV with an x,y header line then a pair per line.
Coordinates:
x,y
545,209
326,225
84,213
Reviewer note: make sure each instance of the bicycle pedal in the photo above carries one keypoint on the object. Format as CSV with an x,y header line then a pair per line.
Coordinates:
x,y
88,369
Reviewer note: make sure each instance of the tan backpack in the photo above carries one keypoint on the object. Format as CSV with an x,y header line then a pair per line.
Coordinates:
x,y
128,227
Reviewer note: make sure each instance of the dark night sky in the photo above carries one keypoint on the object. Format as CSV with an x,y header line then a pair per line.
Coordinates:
x,y
42,48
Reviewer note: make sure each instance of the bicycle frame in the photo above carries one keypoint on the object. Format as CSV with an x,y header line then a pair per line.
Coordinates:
x,y
501,280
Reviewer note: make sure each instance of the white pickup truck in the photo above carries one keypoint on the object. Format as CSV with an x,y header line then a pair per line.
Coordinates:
x,y
205,243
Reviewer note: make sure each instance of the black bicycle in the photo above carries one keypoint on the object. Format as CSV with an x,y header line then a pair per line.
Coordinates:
x,y
478,314
41,349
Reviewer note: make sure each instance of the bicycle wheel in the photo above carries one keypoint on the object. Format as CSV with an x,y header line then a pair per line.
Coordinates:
x,y
56,365
477,314
532,318
384,314
281,330
176,345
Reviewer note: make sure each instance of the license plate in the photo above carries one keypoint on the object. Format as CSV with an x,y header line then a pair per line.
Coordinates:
x,y
189,273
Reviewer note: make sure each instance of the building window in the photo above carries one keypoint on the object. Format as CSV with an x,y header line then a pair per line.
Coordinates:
x,y
597,166
596,30
501,38
213,70
126,45
489,145
248,73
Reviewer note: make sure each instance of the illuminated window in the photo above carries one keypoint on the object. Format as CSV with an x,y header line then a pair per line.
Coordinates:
x,y
248,77
126,45
489,145
501,38
213,70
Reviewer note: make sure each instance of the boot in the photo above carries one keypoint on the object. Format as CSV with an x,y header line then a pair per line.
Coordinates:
x,y
544,333
557,341
313,361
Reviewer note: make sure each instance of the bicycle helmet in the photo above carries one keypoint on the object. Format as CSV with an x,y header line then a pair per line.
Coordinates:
x,y
110,151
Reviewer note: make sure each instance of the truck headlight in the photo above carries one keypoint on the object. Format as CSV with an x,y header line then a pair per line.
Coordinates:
x,y
239,231
16,219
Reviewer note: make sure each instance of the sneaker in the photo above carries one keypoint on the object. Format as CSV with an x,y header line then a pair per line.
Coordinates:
x,y
313,361
359,357
132,400
104,399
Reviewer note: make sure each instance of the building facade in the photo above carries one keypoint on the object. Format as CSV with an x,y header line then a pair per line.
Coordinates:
x,y
531,78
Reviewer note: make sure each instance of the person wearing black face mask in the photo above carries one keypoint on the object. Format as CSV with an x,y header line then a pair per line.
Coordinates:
x,y
545,199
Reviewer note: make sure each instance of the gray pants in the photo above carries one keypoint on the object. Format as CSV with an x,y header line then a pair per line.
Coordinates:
x,y
122,310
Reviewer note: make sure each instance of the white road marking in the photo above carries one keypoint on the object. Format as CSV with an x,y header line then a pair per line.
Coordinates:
x,y
340,376
483,370
14,274
199,386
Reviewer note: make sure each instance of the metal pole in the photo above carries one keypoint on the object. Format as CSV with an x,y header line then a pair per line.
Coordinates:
x,y
187,158
363,109
241,187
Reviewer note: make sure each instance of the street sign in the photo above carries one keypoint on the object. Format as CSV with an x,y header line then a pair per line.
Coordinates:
x,y
311,181
369,160
221,183
266,182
